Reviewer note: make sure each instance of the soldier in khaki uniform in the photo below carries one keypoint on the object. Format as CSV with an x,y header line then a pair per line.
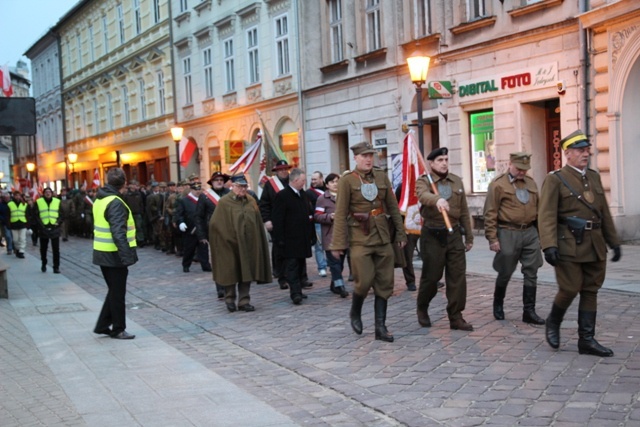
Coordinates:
x,y
365,200
440,250
575,228
510,213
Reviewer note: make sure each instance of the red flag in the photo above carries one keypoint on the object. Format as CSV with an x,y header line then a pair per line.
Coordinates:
x,y
5,81
412,169
96,179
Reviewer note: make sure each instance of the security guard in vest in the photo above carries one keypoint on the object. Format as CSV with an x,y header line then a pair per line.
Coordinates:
x,y
18,223
49,220
114,250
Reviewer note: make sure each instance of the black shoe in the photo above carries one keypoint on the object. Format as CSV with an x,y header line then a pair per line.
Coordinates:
x,y
343,292
43,268
332,288
64,239
105,331
185,269
423,318
411,287
460,324
307,284
124,335
231,306
350,278
356,313
304,296
440,285
498,302
56,270
297,300
220,295
246,307
283,284
552,325
206,269
19,254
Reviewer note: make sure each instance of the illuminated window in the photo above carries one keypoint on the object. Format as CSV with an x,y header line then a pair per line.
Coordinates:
x,y
483,156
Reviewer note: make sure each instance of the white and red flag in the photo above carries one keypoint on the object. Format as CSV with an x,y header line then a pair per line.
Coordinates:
x,y
248,157
5,81
187,148
412,169
96,179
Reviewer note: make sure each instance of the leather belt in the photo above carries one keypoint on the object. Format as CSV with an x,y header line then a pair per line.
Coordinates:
x,y
377,211
590,225
514,226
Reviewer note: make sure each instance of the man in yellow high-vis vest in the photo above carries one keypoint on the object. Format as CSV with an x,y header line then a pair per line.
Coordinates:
x,y
114,250
18,223
49,219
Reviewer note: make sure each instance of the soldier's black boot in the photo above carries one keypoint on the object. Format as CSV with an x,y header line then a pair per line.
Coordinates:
x,y
356,313
552,329
529,302
587,344
381,317
498,302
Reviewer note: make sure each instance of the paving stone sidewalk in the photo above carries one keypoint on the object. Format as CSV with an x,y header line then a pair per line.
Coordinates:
x,y
306,362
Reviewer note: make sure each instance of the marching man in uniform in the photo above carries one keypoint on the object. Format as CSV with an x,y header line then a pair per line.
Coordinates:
x,y
575,228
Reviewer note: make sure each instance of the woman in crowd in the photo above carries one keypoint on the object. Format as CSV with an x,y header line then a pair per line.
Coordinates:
x,y
324,213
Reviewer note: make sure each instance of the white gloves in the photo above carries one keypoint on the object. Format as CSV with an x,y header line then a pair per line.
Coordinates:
x,y
29,231
182,227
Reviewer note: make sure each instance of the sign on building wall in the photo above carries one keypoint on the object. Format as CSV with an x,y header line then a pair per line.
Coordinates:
x,y
440,89
510,82
233,151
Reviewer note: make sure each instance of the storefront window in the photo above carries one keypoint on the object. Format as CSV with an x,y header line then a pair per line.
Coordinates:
x,y
482,150
379,139
289,144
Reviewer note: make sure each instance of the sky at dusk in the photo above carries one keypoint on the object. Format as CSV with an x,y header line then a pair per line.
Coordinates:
x,y
24,22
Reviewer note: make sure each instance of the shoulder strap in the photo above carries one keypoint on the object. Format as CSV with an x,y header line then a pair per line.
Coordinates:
x,y
578,196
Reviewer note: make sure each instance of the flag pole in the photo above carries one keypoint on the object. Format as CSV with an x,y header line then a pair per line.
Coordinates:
x,y
434,187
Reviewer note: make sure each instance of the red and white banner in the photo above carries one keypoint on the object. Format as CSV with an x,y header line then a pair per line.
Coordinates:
x,y
96,179
412,169
248,157
5,81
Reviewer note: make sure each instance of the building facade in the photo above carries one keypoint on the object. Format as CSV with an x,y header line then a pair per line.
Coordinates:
x,y
116,81
236,67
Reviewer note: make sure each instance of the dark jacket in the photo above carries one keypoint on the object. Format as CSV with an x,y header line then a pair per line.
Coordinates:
x,y
204,210
186,212
325,206
267,198
116,215
293,228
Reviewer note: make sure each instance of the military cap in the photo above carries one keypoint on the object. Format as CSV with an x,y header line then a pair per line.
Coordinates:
x,y
576,139
183,182
193,176
442,151
171,184
162,184
218,174
239,179
196,186
521,160
154,184
280,165
362,148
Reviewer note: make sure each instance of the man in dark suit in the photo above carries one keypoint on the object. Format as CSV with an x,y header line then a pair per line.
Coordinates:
x,y
293,231
575,227
185,218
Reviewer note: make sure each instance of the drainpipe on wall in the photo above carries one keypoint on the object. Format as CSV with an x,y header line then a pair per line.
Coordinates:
x,y
301,142
173,86
584,65
65,151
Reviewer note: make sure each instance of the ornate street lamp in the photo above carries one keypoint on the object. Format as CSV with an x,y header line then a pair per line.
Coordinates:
x,y
418,69
176,134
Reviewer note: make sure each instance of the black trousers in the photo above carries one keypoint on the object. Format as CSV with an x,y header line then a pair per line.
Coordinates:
x,y
294,270
113,309
55,248
191,245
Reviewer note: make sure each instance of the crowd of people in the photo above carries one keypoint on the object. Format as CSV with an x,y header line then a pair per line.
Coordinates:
x,y
350,218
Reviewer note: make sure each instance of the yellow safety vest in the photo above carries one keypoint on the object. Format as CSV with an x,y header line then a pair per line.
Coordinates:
x,y
18,212
48,211
102,238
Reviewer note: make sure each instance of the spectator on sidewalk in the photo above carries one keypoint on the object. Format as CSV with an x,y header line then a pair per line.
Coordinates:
x,y
114,250
32,220
239,246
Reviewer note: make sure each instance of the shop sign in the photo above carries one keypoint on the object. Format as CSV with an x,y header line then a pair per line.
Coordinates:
x,y
440,89
512,82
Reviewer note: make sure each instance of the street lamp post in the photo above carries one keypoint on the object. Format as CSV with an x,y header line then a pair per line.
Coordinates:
x,y
31,167
72,158
418,69
176,134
